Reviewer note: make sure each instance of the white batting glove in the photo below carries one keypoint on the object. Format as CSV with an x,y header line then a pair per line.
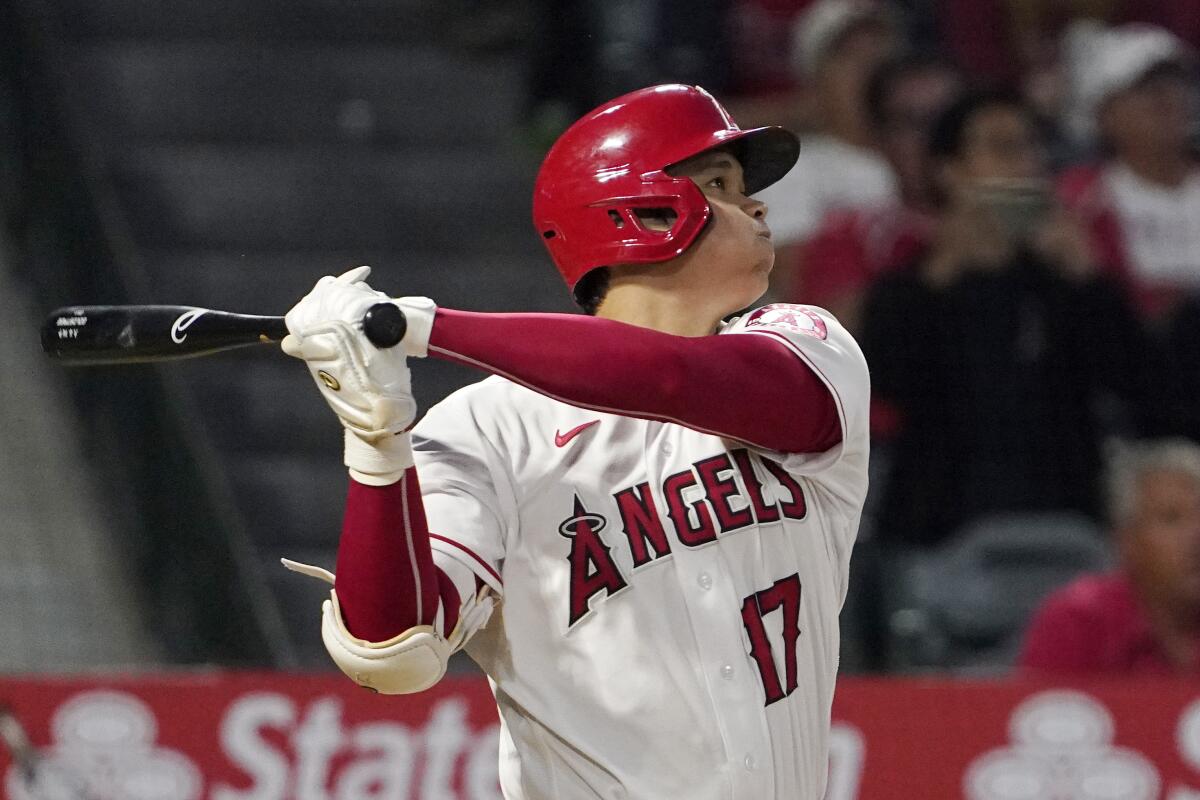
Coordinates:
x,y
370,389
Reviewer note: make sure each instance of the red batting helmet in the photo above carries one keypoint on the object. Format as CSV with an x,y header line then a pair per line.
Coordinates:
x,y
613,161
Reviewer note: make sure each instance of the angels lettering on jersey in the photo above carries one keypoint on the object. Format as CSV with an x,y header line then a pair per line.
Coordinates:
x,y
727,496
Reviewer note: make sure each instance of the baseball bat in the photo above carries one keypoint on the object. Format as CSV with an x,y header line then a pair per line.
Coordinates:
x,y
79,335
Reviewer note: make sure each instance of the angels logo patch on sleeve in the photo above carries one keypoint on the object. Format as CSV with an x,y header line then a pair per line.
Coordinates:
x,y
792,317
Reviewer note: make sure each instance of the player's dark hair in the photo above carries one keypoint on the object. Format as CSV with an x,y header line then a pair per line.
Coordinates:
x,y
948,134
591,289
894,71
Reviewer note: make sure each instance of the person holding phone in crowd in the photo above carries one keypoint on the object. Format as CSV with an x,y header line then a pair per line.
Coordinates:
x,y
998,346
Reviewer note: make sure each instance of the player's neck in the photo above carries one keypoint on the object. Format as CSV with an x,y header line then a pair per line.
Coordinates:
x,y
659,308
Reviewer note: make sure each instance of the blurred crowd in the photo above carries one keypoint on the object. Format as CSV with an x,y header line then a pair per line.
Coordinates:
x,y
1001,199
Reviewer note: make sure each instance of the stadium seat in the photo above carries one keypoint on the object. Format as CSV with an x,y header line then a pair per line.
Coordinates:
x,y
965,606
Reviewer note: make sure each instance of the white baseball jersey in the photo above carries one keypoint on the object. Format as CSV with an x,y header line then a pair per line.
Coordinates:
x,y
669,617
1158,225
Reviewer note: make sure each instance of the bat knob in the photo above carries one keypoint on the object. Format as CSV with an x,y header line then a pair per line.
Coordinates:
x,y
384,324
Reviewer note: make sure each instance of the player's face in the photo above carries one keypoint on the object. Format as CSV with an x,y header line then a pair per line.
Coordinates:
x,y
734,256
1162,547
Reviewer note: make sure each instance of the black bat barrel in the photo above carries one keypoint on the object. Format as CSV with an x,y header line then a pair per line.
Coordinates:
x,y
127,334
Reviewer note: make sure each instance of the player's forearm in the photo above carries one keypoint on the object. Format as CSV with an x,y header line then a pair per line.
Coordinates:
x,y
386,579
748,388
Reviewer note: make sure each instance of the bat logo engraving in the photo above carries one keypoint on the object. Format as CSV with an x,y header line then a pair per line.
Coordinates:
x,y
67,326
179,327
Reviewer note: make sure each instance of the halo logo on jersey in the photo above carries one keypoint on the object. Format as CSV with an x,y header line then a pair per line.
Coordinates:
x,y
592,567
786,315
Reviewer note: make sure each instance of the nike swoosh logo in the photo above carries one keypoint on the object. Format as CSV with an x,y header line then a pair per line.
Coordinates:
x,y
561,439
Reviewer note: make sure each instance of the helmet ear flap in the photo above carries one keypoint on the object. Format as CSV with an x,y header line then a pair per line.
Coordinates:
x,y
657,225
692,210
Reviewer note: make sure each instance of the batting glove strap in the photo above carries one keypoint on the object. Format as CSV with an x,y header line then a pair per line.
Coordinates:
x,y
370,390
419,313
378,463
404,664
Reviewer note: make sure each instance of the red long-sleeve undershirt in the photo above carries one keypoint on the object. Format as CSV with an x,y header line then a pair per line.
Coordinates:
x,y
386,579
749,388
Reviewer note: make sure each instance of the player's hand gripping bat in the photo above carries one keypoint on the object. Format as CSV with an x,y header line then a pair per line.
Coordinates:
x,y
131,334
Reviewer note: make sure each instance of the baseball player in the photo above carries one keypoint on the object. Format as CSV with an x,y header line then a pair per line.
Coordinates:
x,y
640,524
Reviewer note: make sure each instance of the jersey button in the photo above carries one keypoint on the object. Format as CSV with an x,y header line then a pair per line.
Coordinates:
x,y
705,581
750,763
666,448
727,672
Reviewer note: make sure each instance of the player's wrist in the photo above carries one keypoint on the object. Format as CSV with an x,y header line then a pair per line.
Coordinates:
x,y
380,463
419,312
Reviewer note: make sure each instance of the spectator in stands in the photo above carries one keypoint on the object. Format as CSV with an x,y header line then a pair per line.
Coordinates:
x,y
838,45
762,46
853,246
999,41
997,344
1143,618
583,53
1134,90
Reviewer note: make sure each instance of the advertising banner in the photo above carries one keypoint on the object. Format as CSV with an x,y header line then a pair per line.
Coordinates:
x,y
267,736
